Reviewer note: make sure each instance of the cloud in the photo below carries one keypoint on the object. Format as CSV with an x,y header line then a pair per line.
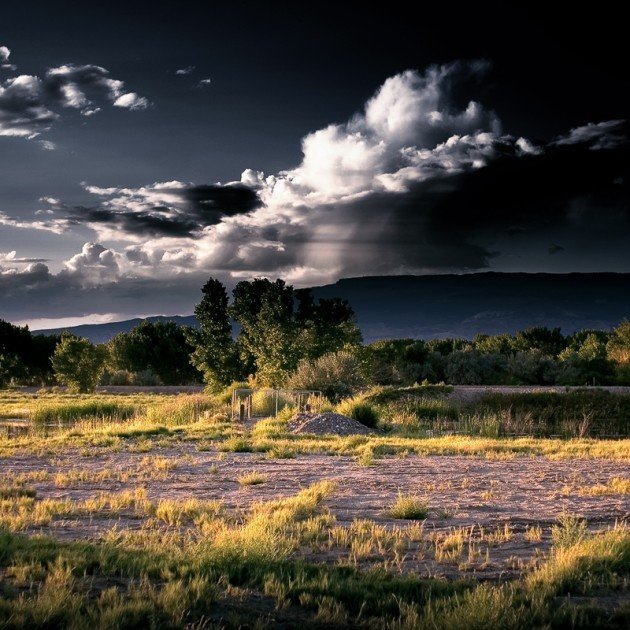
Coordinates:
x,y
22,111
602,135
27,103
47,145
5,53
11,257
204,82
417,181
166,209
131,100
185,71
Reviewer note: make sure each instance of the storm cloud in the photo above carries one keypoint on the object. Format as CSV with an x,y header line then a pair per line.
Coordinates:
x,y
420,180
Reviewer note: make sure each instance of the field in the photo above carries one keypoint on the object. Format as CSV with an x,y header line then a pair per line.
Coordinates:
x,y
147,509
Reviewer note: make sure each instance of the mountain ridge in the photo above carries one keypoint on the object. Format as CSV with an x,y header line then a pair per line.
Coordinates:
x,y
461,305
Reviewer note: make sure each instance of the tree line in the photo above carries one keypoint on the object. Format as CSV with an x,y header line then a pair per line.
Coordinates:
x,y
270,334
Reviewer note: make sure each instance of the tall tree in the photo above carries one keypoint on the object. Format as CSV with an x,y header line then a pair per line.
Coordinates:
x,y
267,340
215,354
327,325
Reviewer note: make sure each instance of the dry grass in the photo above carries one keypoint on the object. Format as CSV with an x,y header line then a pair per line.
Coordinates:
x,y
409,507
252,478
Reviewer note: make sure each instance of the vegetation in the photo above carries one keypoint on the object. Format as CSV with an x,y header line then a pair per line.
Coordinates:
x,y
25,358
360,410
409,507
335,374
287,560
78,363
211,561
274,334
160,349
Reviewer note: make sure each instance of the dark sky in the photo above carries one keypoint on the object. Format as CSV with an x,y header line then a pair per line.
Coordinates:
x,y
454,138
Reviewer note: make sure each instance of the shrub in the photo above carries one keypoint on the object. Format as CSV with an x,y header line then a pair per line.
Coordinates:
x,y
360,410
335,374
78,363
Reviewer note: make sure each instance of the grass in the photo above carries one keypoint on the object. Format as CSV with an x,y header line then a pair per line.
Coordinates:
x,y
616,485
186,578
183,563
409,507
570,530
88,410
362,411
252,478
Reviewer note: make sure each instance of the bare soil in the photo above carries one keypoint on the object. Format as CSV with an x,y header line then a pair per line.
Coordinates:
x,y
461,492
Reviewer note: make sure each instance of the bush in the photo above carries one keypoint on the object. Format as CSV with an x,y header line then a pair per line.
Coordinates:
x,y
360,410
78,363
335,374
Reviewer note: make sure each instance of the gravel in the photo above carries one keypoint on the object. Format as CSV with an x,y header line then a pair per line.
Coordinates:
x,y
327,424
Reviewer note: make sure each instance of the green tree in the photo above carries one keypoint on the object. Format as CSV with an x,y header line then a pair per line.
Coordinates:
x,y
161,348
78,363
469,367
215,353
587,365
327,325
549,342
531,367
268,336
618,347
25,357
394,361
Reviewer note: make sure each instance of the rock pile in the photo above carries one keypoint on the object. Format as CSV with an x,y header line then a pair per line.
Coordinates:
x,y
327,424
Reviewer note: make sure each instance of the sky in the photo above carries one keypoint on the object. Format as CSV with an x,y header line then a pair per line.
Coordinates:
x,y
145,147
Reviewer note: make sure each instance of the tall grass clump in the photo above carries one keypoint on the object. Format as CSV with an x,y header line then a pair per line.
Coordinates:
x,y
267,402
570,530
67,413
409,507
184,409
579,413
362,411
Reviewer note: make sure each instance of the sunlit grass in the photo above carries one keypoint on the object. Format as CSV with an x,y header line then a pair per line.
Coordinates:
x,y
409,506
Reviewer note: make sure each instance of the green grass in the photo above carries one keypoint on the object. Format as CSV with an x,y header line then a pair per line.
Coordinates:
x,y
362,411
84,410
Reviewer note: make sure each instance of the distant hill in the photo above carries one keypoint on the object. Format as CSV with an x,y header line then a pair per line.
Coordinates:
x,y
458,305
100,333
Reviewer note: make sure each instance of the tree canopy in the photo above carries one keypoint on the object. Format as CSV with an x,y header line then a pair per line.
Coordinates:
x,y
277,326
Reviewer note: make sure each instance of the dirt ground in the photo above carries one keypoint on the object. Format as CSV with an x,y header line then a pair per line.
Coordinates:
x,y
461,492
